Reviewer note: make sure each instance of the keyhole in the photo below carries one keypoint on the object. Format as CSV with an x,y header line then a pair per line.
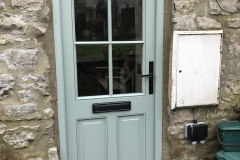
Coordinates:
x,y
180,71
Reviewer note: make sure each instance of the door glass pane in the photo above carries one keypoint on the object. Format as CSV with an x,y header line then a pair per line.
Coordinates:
x,y
91,20
126,20
127,68
92,70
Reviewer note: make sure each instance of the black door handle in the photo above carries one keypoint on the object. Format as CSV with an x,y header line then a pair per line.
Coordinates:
x,y
148,75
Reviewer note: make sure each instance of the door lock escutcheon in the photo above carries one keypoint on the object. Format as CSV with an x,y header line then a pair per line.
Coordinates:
x,y
150,76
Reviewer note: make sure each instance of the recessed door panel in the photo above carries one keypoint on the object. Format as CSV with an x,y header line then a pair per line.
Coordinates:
x,y
131,137
92,139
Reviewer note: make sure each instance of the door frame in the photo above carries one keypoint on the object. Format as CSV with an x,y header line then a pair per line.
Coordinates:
x,y
158,68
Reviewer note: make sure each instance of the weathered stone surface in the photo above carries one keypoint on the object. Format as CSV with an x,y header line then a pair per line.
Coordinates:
x,y
234,50
30,18
19,140
19,41
186,5
48,113
235,38
34,85
236,108
47,101
35,128
215,113
51,141
38,158
185,22
176,132
2,128
26,77
227,99
38,86
49,126
26,96
28,5
7,38
233,22
12,24
39,28
230,6
6,86
177,149
19,110
2,5
44,14
208,23
52,154
15,59
183,115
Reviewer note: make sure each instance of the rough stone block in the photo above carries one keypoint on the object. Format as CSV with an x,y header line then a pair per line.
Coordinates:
x,y
215,113
19,140
35,128
30,18
2,128
6,86
26,96
177,149
12,24
2,5
38,86
233,22
234,50
52,154
44,14
230,6
235,38
28,5
185,23
208,23
183,115
38,158
19,110
227,99
236,109
40,28
26,77
7,38
34,85
176,132
48,113
186,5
15,59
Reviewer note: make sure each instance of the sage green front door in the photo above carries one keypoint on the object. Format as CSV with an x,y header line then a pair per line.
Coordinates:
x,y
108,47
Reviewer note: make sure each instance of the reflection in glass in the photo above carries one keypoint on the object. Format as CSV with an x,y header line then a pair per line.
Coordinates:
x,y
92,70
127,69
127,20
91,20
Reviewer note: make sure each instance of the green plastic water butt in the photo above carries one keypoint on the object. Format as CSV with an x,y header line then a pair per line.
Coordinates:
x,y
229,135
221,155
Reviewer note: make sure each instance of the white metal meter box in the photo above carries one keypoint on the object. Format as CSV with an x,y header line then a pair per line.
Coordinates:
x,y
195,68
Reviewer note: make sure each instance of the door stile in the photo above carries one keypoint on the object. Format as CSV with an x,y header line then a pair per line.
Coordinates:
x,y
158,67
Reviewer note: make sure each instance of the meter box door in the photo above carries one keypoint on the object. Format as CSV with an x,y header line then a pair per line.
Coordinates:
x,y
195,68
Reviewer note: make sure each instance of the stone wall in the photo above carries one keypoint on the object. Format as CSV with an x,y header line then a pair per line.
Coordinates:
x,y
27,93
206,15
